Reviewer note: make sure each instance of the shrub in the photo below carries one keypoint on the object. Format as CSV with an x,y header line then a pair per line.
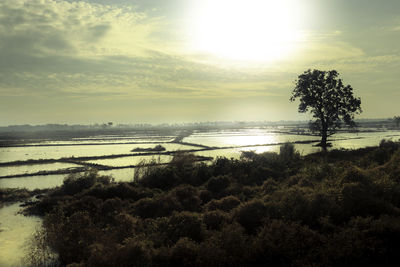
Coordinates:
x,y
353,174
218,184
156,207
134,252
282,243
185,224
269,186
184,253
205,196
215,219
119,190
233,240
75,183
287,152
63,233
225,204
250,215
323,210
221,166
188,197
162,177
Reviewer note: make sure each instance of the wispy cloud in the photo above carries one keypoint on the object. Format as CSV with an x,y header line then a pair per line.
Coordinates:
x,y
61,51
79,49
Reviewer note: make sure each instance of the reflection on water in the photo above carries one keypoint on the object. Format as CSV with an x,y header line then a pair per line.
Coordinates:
x,y
33,182
129,161
51,181
32,168
222,138
15,230
107,139
245,137
236,152
365,139
55,152
120,175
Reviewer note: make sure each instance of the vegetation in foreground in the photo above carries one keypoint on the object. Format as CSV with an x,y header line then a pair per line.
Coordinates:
x,y
10,195
331,209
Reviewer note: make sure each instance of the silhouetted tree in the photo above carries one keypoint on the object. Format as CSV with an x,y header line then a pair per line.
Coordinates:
x,y
396,120
328,99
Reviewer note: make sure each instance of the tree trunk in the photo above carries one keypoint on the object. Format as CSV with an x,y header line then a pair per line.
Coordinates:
x,y
324,136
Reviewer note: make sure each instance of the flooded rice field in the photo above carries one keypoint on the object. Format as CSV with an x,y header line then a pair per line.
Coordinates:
x,y
132,160
33,168
59,150
44,163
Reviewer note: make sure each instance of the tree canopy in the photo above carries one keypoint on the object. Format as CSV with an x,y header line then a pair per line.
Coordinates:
x,y
331,102
396,120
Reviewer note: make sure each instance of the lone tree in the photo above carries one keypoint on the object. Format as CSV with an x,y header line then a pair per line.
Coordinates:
x,y
328,99
396,120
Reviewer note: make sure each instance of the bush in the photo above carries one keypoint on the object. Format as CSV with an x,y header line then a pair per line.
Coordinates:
x,y
218,184
134,252
225,204
119,190
184,253
75,183
215,219
185,224
340,208
156,207
251,215
282,243
287,152
205,196
163,177
188,197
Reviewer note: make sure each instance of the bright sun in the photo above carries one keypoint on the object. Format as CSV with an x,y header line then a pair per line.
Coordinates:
x,y
250,30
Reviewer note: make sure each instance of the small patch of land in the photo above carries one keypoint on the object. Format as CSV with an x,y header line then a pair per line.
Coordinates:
x,y
157,148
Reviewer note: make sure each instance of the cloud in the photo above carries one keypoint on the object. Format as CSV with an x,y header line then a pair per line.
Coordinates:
x,y
43,27
318,47
77,49
62,49
394,26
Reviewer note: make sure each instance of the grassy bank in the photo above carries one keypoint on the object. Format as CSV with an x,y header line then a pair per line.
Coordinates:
x,y
335,209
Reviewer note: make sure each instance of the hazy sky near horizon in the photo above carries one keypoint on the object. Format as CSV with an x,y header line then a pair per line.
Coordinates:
x,y
190,60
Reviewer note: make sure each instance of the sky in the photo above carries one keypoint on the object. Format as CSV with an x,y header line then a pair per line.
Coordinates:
x,y
167,61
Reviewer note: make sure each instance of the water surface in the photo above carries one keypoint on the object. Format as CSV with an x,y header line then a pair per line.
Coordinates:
x,y
15,230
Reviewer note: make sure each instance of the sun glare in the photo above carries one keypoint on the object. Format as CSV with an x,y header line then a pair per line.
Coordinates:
x,y
252,30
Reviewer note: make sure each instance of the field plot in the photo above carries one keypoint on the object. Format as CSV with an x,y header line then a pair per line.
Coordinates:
x,y
246,137
106,140
33,182
213,143
120,175
8,154
33,168
131,161
236,152
363,139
